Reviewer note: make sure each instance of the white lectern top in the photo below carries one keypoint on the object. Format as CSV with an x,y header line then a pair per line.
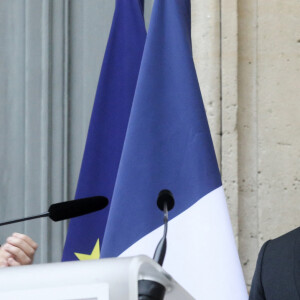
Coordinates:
x,y
105,279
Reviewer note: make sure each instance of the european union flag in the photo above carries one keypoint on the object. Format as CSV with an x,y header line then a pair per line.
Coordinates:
x,y
108,125
168,146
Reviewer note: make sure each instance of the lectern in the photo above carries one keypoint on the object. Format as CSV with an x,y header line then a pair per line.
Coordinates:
x,y
105,279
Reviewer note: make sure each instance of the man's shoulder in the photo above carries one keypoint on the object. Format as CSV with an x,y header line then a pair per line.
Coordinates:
x,y
280,249
274,274
284,239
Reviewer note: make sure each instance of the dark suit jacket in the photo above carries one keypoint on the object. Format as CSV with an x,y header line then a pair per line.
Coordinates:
x,y
277,274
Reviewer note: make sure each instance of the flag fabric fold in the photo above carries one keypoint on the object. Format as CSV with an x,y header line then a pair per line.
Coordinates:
x,y
108,124
168,146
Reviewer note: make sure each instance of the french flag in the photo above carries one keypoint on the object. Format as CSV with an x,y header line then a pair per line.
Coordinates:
x,y
168,146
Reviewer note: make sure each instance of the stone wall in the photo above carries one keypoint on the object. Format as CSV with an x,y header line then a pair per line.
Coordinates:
x,y
247,56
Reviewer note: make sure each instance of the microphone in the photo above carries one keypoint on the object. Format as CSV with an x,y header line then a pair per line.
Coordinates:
x,y
69,209
149,289
75,208
165,202
165,196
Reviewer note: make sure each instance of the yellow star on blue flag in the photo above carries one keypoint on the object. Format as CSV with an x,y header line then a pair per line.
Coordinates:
x,y
94,255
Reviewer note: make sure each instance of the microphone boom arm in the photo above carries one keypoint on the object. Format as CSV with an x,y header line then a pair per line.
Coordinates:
x,y
25,219
161,248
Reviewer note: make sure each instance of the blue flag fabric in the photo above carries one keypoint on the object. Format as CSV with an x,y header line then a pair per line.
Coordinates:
x,y
108,123
168,146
